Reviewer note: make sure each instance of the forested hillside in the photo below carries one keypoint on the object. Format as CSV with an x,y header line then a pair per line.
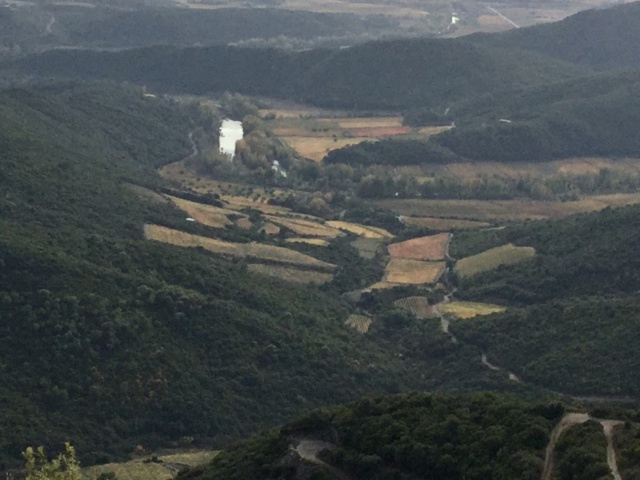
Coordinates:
x,y
599,38
117,341
418,436
376,75
109,26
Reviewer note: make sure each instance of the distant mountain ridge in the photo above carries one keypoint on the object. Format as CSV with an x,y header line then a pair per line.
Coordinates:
x,y
602,39
378,75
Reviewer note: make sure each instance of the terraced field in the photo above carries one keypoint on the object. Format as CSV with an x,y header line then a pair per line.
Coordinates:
x,y
361,230
253,251
304,227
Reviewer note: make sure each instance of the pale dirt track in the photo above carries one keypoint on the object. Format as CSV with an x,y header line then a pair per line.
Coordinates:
x,y
607,426
569,420
309,449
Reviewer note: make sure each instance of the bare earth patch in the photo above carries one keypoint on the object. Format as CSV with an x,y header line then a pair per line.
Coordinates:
x,y
417,272
469,309
316,148
432,247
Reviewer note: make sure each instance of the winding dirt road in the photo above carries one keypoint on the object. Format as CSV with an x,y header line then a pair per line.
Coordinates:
x,y
607,426
309,449
569,420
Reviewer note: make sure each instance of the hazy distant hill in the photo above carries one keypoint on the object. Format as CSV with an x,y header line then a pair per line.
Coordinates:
x,y
113,28
606,38
377,75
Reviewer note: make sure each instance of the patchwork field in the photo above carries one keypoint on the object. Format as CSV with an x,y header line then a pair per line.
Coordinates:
x,y
314,137
469,309
503,210
252,251
493,258
165,468
419,306
181,173
361,230
515,170
291,274
316,148
432,247
360,323
416,272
